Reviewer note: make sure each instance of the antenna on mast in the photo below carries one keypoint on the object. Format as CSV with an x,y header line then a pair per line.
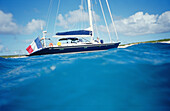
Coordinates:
x,y
42,27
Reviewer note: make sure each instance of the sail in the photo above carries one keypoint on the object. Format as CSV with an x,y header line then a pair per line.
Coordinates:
x,y
78,33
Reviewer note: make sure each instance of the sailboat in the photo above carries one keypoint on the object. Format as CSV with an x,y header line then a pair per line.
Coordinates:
x,y
77,44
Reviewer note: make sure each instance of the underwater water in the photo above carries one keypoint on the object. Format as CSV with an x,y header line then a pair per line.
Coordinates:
x,y
136,78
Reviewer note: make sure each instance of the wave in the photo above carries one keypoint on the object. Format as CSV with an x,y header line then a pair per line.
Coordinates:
x,y
133,78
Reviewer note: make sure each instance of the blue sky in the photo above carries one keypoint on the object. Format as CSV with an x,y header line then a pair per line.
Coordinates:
x,y
136,20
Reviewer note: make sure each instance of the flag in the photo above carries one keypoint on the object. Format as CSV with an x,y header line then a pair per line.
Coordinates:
x,y
35,45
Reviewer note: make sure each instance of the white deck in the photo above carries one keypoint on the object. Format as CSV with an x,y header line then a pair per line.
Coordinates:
x,y
73,44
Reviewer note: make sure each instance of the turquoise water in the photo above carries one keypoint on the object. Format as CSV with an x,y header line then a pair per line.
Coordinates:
x,y
136,78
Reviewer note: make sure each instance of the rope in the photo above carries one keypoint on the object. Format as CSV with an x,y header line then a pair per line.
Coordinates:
x,y
105,20
82,14
95,21
56,17
49,13
112,20
85,10
85,4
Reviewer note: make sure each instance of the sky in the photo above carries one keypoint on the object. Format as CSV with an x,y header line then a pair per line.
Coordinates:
x,y
21,21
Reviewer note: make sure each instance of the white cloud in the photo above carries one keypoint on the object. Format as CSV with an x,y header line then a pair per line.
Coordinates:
x,y
62,21
141,24
1,47
28,40
73,17
36,10
164,22
34,25
8,26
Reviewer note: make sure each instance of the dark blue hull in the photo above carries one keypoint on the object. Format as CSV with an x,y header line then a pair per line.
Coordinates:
x,y
72,49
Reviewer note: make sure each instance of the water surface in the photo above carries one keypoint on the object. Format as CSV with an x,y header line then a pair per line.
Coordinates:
x,y
136,78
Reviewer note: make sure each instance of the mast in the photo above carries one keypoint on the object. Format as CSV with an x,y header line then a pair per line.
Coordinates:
x,y
44,34
90,18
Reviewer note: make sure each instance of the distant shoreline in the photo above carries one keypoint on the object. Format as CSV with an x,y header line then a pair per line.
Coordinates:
x,y
120,46
154,41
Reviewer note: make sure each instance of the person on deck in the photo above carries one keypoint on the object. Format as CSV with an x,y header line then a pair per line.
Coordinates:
x,y
98,40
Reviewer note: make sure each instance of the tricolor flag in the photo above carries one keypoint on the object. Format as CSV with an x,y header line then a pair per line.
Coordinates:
x,y
35,45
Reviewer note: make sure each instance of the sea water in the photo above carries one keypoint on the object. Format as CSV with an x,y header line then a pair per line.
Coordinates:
x,y
136,78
